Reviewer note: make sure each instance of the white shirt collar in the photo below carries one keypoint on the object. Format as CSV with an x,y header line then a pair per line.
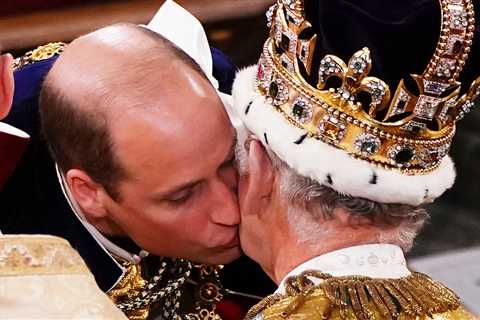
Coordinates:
x,y
372,260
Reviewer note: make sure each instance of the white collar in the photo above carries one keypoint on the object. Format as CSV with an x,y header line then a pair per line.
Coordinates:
x,y
372,260
183,29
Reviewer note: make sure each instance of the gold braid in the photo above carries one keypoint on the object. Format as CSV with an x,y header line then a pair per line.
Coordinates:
x,y
415,295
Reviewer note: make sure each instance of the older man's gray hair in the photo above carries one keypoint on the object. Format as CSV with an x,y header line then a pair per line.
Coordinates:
x,y
310,203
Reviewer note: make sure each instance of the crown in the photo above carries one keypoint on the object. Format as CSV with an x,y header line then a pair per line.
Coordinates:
x,y
410,130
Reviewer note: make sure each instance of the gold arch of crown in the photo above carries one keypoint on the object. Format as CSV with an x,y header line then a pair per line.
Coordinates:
x,y
409,132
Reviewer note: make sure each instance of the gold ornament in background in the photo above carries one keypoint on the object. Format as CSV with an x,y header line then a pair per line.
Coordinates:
x,y
41,53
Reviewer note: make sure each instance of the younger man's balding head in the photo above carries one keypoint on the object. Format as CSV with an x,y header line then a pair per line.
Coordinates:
x,y
98,77
115,56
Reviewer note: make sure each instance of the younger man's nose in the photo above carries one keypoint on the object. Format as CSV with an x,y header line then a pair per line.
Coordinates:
x,y
225,209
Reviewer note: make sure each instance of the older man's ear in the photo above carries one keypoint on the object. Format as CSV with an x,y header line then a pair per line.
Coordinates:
x,y
259,186
6,84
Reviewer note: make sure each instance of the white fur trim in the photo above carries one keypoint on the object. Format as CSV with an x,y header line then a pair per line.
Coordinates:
x,y
317,160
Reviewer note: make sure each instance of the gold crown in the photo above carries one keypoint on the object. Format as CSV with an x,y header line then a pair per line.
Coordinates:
x,y
411,132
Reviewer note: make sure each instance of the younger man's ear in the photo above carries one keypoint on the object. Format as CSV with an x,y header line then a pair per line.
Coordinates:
x,y
88,195
6,84
260,177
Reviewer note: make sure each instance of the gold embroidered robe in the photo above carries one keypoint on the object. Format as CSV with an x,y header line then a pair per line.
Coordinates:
x,y
43,277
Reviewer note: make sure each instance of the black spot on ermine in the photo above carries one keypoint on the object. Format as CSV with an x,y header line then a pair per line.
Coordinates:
x,y
426,194
329,179
247,109
374,178
301,139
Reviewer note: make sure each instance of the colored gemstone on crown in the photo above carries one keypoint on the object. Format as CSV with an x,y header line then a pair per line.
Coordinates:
x,y
273,90
287,63
358,66
414,127
298,110
402,154
332,128
285,43
260,73
377,90
457,47
367,144
278,92
302,110
434,87
360,62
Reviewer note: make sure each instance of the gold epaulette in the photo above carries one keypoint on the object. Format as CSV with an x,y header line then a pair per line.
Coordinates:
x,y
41,53
360,298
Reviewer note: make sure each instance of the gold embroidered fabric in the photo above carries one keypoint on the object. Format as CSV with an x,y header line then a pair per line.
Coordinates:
x,y
22,255
42,277
416,297
317,307
130,286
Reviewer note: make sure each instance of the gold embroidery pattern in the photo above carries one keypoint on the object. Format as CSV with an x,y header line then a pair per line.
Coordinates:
x,y
129,287
414,297
41,53
26,255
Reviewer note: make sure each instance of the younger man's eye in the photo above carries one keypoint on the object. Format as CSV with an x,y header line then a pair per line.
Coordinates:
x,y
180,197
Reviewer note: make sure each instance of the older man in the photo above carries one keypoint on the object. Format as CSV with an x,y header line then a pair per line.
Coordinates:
x,y
334,171
143,149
